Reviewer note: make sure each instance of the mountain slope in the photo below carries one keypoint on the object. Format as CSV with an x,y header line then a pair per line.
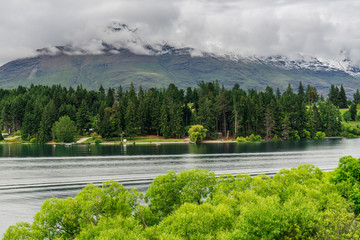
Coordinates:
x,y
161,69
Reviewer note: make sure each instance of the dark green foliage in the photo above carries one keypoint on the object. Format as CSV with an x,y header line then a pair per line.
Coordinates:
x,y
353,112
164,120
170,111
131,119
311,95
357,97
83,117
107,124
342,98
48,118
331,119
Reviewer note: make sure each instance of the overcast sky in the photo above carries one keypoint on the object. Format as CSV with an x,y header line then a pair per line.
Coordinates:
x,y
322,28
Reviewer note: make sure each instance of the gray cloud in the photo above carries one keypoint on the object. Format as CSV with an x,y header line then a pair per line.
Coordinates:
x,y
248,27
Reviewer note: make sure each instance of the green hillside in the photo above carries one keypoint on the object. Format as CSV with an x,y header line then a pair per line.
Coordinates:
x,y
112,70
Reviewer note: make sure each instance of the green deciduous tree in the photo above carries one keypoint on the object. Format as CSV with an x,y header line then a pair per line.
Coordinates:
x,y
64,129
168,192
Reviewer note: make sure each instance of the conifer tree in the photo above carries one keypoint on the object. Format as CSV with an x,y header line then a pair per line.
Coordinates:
x,y
269,124
83,117
48,118
311,95
357,97
286,128
131,119
301,92
342,98
164,120
110,97
353,112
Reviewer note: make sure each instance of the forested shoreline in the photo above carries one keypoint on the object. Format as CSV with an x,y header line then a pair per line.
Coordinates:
x,y
301,203
169,112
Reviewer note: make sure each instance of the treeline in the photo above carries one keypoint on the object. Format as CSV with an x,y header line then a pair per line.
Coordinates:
x,y
301,203
170,111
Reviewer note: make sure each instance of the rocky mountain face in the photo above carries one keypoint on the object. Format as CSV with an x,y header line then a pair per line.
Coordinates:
x,y
158,66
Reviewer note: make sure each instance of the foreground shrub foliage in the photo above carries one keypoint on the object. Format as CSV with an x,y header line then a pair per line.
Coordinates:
x,y
301,203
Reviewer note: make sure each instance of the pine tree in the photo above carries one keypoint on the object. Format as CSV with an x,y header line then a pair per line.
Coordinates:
x,y
83,117
278,94
342,98
48,118
311,95
206,115
101,93
269,124
357,97
7,116
110,97
164,121
301,92
106,125
286,128
333,95
300,120
353,112
331,118
222,108
132,128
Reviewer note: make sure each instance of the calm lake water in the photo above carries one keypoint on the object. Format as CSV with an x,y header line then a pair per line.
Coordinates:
x,y
29,174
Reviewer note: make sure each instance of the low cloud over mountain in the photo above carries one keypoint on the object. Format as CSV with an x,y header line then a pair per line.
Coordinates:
x,y
294,29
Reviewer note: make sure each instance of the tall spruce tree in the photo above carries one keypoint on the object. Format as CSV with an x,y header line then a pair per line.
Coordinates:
x,y
48,118
83,117
342,98
164,120
356,100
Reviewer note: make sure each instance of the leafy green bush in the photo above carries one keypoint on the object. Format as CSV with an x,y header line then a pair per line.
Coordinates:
x,y
253,138
197,133
97,141
350,130
306,134
33,140
294,135
350,135
319,135
240,139
1,137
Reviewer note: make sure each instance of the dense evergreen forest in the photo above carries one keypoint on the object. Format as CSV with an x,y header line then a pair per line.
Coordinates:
x,y
301,203
170,111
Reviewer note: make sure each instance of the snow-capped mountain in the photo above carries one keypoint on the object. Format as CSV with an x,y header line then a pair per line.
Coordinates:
x,y
124,57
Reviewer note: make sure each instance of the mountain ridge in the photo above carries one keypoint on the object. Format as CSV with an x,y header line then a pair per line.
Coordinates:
x,y
165,64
